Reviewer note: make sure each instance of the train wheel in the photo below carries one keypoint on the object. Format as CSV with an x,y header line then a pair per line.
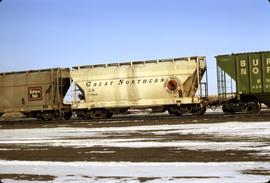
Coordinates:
x,y
98,114
109,114
67,115
253,107
177,113
199,111
47,116
227,107
174,111
81,114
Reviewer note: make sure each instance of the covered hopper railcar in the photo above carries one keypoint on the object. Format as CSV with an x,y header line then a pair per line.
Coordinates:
x,y
243,81
37,93
169,84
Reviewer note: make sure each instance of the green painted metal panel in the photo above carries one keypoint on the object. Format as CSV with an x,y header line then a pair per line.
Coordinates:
x,y
251,73
266,72
227,63
242,65
255,73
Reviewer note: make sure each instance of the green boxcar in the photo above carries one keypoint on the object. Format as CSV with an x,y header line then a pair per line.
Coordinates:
x,y
243,80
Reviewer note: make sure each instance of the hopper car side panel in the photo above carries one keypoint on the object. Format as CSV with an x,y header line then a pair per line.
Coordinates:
x,y
139,84
34,92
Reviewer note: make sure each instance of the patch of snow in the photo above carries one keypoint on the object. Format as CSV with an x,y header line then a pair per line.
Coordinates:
x,y
230,128
90,137
93,171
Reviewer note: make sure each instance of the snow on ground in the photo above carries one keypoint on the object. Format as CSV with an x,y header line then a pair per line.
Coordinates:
x,y
90,137
233,135
229,128
130,172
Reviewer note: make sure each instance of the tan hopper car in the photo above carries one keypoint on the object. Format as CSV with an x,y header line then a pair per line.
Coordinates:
x,y
169,84
37,93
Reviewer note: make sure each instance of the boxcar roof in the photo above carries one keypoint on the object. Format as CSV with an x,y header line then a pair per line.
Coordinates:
x,y
243,53
138,62
31,71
